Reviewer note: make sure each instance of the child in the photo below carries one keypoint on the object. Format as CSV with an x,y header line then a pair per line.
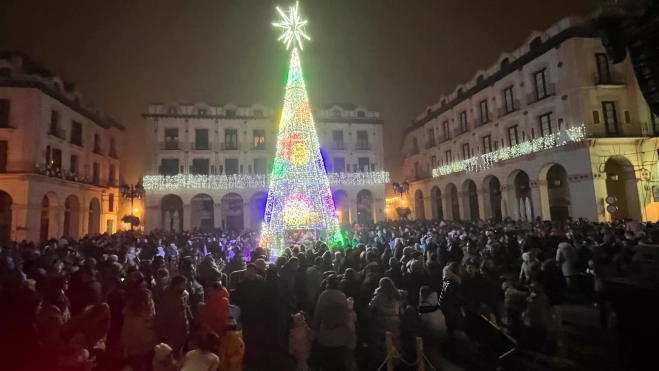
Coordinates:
x,y
299,341
351,343
163,358
232,348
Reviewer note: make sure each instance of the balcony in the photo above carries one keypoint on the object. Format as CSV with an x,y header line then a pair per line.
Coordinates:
x,y
443,138
507,109
414,151
262,146
541,94
479,122
339,146
53,171
57,132
608,79
431,143
98,151
620,130
170,145
460,130
420,175
201,146
113,153
230,146
363,145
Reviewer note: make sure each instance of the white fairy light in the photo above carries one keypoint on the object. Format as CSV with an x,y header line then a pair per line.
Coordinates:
x,y
487,160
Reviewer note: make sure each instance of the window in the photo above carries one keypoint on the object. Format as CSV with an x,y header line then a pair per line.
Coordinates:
x,y
463,122
364,163
201,140
603,68
231,113
173,111
171,139
513,138
97,144
540,84
446,130
431,138
415,145
361,114
111,202
610,118
113,147
54,123
96,173
487,144
73,166
5,107
545,124
76,133
433,161
339,164
628,117
169,166
336,113
509,99
485,114
112,174
417,169
258,113
5,72
596,117
202,112
231,166
56,158
362,140
655,123
466,151
4,148
200,166
230,139
337,136
260,166
449,157
258,139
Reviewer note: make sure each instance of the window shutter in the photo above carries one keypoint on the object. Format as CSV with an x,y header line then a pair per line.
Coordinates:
x,y
596,117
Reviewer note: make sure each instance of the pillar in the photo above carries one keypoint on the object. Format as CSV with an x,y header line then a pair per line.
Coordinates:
x,y
463,200
152,218
446,201
246,215
187,213
536,203
24,226
587,198
353,211
217,215
482,214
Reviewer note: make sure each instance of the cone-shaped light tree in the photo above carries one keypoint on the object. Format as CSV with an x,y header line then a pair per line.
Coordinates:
x,y
299,198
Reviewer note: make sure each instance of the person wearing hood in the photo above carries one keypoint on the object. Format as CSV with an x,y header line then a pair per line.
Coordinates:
x,y
385,311
450,300
138,336
329,322
299,342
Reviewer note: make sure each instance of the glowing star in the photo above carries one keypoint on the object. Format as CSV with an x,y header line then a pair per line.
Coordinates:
x,y
293,27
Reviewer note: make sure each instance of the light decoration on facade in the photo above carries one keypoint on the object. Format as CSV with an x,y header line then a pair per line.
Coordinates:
x,y
392,200
486,161
252,181
299,196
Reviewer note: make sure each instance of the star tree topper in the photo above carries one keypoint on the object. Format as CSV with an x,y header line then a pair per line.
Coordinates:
x,y
293,27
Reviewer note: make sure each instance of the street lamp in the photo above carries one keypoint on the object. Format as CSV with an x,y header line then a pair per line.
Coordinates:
x,y
401,188
132,192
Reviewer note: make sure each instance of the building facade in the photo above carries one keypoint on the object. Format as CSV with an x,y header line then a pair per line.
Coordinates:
x,y
59,163
552,130
208,166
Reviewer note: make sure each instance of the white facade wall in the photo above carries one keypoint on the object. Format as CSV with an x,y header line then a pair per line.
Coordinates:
x,y
571,73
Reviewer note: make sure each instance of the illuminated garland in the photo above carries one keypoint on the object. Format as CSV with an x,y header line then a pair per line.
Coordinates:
x,y
486,161
251,181
392,200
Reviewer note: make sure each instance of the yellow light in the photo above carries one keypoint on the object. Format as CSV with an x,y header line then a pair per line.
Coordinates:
x,y
299,154
403,202
135,210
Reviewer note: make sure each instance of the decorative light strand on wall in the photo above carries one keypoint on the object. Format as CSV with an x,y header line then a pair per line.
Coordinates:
x,y
486,161
249,181
392,200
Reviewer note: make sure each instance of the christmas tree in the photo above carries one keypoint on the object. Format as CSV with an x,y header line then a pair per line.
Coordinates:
x,y
299,197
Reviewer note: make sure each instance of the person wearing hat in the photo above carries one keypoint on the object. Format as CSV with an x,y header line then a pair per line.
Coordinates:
x,y
163,358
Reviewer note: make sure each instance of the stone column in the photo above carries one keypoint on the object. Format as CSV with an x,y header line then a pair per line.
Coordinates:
x,y
217,215
543,199
24,223
481,203
536,203
187,214
247,212
463,201
353,211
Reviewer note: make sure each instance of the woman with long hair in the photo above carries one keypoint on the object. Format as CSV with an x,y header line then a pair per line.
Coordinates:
x,y
385,311
138,336
203,358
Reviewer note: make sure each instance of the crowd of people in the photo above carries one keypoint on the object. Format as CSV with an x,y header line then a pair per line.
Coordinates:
x,y
217,301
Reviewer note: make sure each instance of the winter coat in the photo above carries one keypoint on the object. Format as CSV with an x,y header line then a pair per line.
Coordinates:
x,y
300,339
214,314
330,319
568,257
538,310
314,280
172,319
138,335
433,319
232,350
450,300
384,317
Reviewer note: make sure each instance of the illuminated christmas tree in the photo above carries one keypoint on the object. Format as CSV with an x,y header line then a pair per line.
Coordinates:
x,y
299,198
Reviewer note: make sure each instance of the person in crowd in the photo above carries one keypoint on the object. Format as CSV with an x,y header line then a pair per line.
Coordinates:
x,y
173,314
450,299
163,358
385,310
314,279
329,323
138,336
567,257
351,341
300,340
203,358
232,348
214,313
249,297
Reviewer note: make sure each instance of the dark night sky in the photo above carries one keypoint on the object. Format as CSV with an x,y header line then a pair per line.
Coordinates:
x,y
394,56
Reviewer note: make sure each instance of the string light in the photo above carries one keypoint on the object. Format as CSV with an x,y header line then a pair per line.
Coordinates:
x,y
297,209
293,27
486,161
252,181
392,200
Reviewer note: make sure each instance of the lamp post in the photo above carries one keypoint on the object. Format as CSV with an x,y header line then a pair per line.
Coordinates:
x,y
132,192
400,189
